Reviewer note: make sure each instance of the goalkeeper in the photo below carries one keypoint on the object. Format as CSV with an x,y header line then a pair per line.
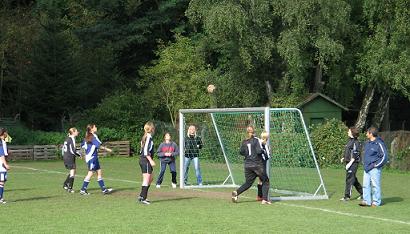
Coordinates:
x,y
254,166
352,159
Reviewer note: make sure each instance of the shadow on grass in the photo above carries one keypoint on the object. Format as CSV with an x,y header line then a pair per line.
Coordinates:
x,y
392,199
20,189
33,198
114,190
173,199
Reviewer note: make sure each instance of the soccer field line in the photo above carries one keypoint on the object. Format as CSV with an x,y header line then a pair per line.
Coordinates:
x,y
345,213
279,203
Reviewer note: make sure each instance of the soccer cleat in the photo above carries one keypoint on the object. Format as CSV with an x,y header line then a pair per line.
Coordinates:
x,y
2,201
107,191
174,185
258,198
84,192
145,202
344,199
264,202
200,184
158,186
140,198
234,196
65,187
70,191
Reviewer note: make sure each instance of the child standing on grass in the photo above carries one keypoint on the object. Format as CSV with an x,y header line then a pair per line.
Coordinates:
x,y
265,157
91,144
193,144
4,167
146,161
254,166
352,159
69,154
167,152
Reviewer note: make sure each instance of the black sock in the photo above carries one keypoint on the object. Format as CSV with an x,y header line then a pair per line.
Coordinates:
x,y
71,182
66,180
144,192
174,177
259,190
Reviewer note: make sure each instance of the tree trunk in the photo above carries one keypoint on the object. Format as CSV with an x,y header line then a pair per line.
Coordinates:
x,y
268,93
364,109
381,110
317,88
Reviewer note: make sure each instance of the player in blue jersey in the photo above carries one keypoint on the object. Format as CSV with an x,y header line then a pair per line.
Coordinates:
x,y
146,161
4,167
69,154
91,144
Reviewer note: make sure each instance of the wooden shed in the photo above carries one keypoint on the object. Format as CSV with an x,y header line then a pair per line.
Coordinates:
x,y
317,107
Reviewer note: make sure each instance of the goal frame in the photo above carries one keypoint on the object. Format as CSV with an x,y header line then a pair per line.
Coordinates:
x,y
267,115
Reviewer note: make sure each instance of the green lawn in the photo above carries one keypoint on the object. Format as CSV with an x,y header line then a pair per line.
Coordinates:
x,y
37,203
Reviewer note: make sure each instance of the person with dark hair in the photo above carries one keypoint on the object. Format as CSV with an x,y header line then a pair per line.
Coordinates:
x,y
69,155
167,151
91,144
352,159
254,166
4,167
375,157
146,161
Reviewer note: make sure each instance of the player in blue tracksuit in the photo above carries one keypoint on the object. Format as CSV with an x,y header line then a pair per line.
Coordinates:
x,y
91,144
146,162
167,151
4,167
375,157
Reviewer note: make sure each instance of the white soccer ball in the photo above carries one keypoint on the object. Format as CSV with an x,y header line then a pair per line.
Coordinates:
x,y
211,88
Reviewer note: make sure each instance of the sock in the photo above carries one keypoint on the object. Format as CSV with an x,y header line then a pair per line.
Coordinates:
x,y
174,177
144,192
101,183
85,185
71,182
1,191
67,180
259,190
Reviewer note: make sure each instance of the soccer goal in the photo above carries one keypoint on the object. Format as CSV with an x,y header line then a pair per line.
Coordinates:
x,y
212,138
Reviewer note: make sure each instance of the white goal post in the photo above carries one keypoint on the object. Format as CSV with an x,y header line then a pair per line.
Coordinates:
x,y
293,169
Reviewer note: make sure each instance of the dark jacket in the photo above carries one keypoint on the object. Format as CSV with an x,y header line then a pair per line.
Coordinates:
x,y
352,150
252,150
170,147
375,154
192,146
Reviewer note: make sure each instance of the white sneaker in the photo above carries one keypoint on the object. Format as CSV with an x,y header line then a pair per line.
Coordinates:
x,y
174,185
2,201
200,184
158,186
234,196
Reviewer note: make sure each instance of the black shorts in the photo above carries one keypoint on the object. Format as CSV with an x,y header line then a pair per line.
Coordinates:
x,y
69,163
145,166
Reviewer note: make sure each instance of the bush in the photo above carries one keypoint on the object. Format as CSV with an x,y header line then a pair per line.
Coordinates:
x,y
329,140
24,136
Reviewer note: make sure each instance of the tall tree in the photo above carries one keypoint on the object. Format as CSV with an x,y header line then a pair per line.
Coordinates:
x,y
385,61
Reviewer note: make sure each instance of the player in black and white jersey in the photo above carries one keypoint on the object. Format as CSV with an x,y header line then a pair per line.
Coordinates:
x,y
69,155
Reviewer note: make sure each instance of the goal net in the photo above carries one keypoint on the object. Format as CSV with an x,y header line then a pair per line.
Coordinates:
x,y
209,147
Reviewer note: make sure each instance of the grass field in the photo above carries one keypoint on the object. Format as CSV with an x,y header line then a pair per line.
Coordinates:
x,y
38,204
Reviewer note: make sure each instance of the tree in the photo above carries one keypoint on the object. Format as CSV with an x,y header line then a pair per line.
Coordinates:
x,y
179,78
385,61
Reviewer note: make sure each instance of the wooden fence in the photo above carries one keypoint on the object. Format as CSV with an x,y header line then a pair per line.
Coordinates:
x,y
49,152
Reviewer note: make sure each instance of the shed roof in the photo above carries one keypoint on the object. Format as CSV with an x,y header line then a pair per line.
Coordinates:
x,y
313,96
